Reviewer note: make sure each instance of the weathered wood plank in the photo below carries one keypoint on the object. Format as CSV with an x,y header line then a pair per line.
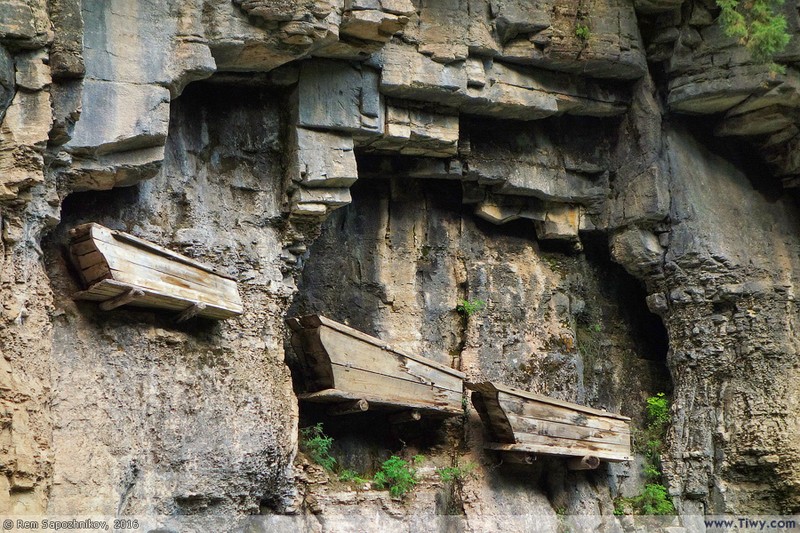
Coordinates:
x,y
166,288
401,391
534,426
108,235
122,299
91,259
552,401
151,298
95,273
345,349
168,279
581,447
546,449
190,312
335,395
124,257
557,413
321,320
549,426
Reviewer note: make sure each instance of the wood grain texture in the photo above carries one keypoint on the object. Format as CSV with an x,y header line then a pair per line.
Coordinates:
x,y
519,421
343,363
110,260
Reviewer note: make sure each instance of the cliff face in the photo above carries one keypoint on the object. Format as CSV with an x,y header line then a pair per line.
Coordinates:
x,y
378,161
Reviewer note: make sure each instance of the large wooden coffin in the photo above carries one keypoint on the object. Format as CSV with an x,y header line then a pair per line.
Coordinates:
x,y
522,423
119,269
342,364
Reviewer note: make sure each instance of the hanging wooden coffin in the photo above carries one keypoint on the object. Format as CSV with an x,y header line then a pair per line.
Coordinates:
x,y
522,423
119,269
348,367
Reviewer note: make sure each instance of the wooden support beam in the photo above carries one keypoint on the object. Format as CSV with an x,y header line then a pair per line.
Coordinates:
x,y
122,299
412,415
518,458
588,462
191,312
347,408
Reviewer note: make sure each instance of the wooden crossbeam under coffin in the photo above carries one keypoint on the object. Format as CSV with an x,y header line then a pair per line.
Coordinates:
x,y
523,423
342,365
120,269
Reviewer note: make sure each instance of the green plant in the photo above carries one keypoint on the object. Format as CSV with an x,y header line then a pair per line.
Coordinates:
x,y
582,32
351,476
449,474
758,24
653,500
317,445
396,475
470,307
658,411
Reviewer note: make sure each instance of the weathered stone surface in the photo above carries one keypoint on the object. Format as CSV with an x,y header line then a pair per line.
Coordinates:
x,y
200,417
354,89
23,136
510,92
243,177
66,52
613,47
417,132
7,83
24,24
322,159
119,117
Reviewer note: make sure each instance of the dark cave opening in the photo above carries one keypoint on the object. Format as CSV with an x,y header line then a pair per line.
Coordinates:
x,y
646,327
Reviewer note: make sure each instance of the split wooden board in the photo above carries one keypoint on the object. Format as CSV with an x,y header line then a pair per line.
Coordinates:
x,y
117,266
521,421
343,364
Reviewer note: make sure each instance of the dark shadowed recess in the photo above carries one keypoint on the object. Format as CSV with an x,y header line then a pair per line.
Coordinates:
x,y
646,328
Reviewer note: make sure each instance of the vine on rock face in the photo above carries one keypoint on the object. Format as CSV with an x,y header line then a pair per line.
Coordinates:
x,y
759,26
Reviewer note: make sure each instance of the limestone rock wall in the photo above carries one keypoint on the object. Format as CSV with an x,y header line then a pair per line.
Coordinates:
x,y
565,124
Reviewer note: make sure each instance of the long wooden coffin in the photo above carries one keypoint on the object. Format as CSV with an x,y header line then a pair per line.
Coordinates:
x,y
342,364
521,422
119,269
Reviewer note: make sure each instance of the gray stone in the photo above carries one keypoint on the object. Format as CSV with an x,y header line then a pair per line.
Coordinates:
x,y
322,159
354,90
119,117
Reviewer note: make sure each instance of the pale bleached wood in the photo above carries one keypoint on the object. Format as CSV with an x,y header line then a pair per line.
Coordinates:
x,y
320,319
524,422
588,462
105,234
349,407
580,447
191,312
169,280
545,449
361,365
347,350
361,381
151,298
122,299
534,426
335,395
544,399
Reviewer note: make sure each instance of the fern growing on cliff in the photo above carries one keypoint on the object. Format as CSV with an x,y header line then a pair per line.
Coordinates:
x,y
758,24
